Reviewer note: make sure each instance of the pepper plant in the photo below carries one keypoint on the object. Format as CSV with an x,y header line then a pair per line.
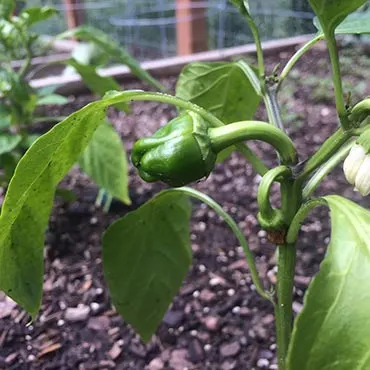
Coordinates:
x,y
147,253
21,106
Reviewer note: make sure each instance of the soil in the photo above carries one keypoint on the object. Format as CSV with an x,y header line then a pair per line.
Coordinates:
x,y
217,320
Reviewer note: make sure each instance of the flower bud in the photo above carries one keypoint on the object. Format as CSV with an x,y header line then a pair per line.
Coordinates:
x,y
356,167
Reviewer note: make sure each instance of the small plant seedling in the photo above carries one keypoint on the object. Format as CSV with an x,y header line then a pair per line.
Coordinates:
x,y
104,160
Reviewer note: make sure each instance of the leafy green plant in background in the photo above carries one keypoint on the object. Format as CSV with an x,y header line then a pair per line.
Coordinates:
x,y
104,160
147,253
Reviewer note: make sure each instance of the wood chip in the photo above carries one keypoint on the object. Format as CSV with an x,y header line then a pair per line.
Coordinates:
x,y
54,347
115,351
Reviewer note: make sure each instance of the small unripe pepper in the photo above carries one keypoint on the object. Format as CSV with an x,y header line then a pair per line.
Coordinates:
x,y
186,148
178,153
356,167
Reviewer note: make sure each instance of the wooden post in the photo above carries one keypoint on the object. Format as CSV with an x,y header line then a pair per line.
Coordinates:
x,y
74,13
191,27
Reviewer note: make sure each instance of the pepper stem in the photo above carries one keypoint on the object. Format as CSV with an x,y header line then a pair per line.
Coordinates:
x,y
225,136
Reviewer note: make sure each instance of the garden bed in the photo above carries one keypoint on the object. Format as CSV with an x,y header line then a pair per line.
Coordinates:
x,y
217,321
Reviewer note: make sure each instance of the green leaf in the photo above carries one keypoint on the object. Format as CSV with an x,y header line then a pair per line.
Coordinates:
x,y
8,142
89,54
114,50
242,5
333,330
44,91
37,14
332,12
52,99
146,255
28,201
104,160
358,23
96,83
221,88
6,8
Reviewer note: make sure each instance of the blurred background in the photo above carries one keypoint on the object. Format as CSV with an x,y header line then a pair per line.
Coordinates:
x,y
163,28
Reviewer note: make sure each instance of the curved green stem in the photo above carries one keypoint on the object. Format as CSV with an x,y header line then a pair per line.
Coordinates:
x,y
236,230
295,58
264,189
337,80
273,110
325,169
298,219
225,136
139,95
326,151
257,41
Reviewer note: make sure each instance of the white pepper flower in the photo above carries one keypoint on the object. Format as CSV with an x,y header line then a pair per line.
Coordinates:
x,y
356,169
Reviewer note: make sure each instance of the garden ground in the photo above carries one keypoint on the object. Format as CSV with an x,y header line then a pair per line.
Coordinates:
x,y
217,320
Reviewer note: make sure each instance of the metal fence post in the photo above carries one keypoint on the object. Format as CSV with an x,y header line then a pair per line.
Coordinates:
x,y
191,26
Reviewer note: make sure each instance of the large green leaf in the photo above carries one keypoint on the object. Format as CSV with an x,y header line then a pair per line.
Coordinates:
x,y
29,198
114,50
146,255
96,83
28,201
357,23
332,12
221,88
104,160
8,142
333,330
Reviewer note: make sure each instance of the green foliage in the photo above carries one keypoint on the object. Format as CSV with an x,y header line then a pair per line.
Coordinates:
x,y
96,83
146,255
104,161
6,8
357,23
28,202
242,5
35,15
18,101
116,52
332,12
221,88
337,304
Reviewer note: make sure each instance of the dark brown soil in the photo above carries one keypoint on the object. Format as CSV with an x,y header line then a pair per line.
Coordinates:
x,y
217,321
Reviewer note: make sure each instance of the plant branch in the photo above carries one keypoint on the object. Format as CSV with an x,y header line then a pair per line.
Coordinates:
x,y
236,230
272,108
257,41
337,80
302,213
225,136
326,151
295,58
325,169
284,306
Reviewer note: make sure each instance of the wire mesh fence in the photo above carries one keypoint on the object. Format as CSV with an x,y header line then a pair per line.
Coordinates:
x,y
147,28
